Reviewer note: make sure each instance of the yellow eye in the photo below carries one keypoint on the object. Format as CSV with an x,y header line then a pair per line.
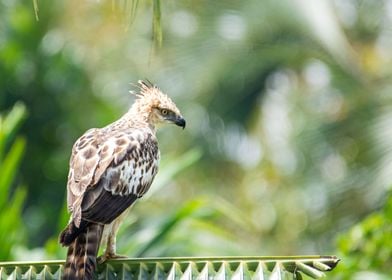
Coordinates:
x,y
164,112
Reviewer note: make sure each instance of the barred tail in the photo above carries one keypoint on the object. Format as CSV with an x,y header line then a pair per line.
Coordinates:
x,y
82,254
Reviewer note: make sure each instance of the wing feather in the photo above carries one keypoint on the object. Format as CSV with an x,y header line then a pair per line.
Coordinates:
x,y
92,173
83,162
91,155
106,207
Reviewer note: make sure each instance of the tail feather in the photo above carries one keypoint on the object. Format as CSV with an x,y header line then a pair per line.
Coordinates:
x,y
69,234
82,254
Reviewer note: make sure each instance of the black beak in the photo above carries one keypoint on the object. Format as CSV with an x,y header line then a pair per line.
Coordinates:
x,y
180,121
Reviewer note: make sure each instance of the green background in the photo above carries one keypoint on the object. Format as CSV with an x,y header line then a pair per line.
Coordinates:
x,y
287,149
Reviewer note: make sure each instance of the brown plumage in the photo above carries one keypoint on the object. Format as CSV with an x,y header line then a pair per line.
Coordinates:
x,y
110,168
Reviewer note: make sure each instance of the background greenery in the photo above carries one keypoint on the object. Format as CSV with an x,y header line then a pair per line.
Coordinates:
x,y
288,143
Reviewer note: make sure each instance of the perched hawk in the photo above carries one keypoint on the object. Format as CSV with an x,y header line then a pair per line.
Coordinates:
x,y
110,168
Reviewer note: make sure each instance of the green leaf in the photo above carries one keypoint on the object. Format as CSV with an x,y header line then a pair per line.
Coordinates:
x,y
186,211
232,212
172,167
11,227
156,24
36,9
11,232
10,124
130,8
9,167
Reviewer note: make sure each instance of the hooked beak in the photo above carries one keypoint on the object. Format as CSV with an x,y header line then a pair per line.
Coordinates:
x,y
180,121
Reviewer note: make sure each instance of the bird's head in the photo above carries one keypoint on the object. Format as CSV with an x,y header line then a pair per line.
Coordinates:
x,y
156,107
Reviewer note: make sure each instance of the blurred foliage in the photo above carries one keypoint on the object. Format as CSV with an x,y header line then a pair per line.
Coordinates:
x,y
288,105
12,232
366,250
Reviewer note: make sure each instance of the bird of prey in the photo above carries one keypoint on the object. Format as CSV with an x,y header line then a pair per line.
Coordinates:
x,y
110,168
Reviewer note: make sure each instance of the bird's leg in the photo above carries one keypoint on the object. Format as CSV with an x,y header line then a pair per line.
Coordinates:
x,y
111,246
110,251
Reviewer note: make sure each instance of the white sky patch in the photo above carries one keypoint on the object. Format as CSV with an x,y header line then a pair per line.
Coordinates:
x,y
317,74
183,23
321,19
281,80
276,121
53,42
333,168
231,26
388,6
316,199
242,148
324,99
382,135
384,43
346,12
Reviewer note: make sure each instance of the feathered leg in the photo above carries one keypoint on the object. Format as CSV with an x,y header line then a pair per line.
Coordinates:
x,y
82,254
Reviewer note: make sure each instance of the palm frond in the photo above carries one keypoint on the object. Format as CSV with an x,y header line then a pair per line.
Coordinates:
x,y
276,268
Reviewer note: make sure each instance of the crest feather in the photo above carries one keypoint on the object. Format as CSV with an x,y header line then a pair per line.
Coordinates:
x,y
148,97
145,87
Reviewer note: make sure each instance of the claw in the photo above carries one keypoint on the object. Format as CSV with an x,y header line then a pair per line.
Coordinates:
x,y
109,256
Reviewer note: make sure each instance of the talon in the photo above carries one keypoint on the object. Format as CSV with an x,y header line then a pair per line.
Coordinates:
x,y
101,259
115,256
109,256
